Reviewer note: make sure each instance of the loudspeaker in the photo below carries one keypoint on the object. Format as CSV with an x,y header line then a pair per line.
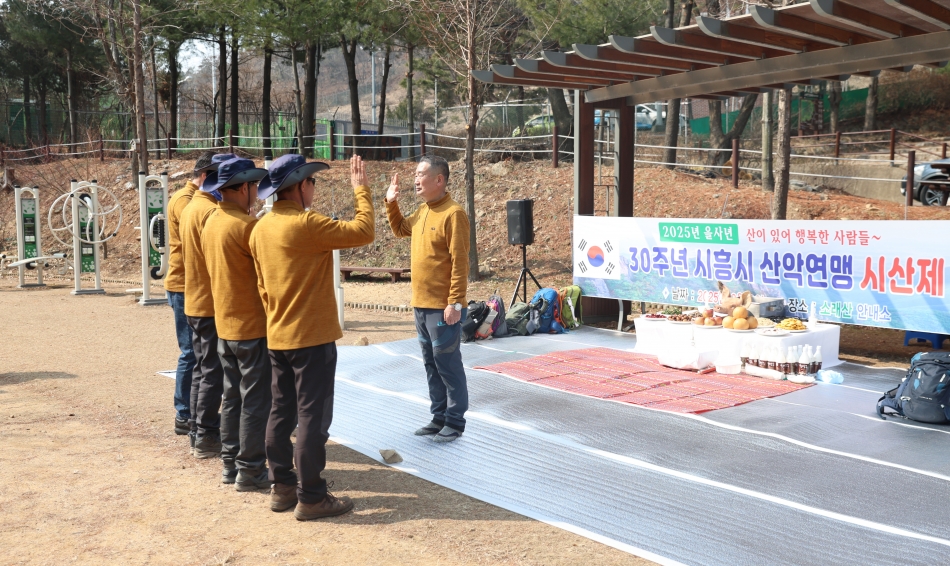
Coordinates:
x,y
520,222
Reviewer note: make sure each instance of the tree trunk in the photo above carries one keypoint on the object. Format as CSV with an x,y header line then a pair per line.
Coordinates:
x,y
410,111
780,197
870,108
139,76
265,101
349,57
155,103
382,88
173,70
309,100
222,85
41,110
235,81
563,119
70,98
473,105
298,105
27,113
672,132
768,178
519,113
834,101
721,140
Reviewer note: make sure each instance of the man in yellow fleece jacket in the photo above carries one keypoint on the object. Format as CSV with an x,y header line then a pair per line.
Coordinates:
x,y
293,251
440,243
241,324
175,288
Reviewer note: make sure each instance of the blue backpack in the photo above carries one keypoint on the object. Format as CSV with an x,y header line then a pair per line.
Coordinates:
x,y
924,395
551,313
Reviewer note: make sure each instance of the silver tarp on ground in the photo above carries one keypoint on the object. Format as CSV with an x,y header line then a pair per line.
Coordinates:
x,y
809,477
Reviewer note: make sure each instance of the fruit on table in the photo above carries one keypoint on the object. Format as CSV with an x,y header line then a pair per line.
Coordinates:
x,y
728,321
753,322
740,324
740,312
709,322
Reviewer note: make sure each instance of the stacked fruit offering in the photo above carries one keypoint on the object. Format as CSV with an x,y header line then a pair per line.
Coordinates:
x,y
740,319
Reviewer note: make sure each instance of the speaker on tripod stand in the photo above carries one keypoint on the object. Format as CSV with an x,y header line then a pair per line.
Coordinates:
x,y
521,233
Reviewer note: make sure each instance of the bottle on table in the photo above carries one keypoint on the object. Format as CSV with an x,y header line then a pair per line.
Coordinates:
x,y
803,362
815,365
782,364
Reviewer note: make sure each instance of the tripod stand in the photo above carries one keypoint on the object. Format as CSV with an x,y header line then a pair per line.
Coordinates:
x,y
523,277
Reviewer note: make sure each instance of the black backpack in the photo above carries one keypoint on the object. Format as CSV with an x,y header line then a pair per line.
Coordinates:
x,y
924,394
477,313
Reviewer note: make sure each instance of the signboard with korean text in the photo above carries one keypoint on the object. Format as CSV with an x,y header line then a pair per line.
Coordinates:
x,y
872,273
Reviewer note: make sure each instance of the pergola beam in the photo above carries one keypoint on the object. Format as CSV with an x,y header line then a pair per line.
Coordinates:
x,y
757,36
787,23
514,73
874,24
573,60
709,44
926,10
543,67
642,47
489,77
899,52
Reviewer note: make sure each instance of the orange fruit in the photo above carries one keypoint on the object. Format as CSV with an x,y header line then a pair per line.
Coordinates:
x,y
740,312
727,322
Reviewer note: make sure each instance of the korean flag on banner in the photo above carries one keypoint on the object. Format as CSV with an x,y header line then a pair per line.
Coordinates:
x,y
598,259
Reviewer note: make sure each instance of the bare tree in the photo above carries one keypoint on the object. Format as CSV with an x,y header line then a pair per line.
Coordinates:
x,y
673,105
780,197
463,35
870,108
138,71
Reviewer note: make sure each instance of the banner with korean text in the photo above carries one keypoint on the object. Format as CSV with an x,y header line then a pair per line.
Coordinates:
x,y
872,273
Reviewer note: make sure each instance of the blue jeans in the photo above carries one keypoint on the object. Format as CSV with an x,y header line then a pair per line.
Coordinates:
x,y
186,361
442,357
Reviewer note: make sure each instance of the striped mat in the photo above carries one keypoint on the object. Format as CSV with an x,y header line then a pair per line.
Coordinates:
x,y
639,379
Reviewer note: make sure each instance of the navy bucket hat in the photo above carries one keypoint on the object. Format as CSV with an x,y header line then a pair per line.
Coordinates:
x,y
287,171
232,172
216,161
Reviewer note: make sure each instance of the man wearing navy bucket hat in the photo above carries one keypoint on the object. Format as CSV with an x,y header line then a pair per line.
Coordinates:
x,y
241,324
199,311
293,251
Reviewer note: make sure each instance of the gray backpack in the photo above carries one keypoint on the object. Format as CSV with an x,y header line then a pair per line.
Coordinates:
x,y
524,318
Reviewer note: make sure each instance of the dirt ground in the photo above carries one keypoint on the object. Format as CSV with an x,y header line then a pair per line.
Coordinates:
x,y
94,471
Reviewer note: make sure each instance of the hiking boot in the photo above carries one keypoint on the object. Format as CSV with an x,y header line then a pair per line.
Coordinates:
x,y
447,434
182,427
208,446
247,482
229,473
431,428
282,497
331,506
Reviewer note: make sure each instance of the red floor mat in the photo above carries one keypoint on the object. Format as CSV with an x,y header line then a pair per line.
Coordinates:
x,y
640,380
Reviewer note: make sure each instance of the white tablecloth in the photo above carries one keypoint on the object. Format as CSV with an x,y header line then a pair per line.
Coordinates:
x,y
655,337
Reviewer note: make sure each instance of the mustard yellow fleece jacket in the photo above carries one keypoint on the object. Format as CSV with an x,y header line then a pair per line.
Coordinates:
x,y
440,244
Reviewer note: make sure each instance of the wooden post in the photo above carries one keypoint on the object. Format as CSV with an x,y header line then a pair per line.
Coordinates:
x,y
909,185
102,155
168,146
47,153
893,144
837,144
330,137
943,154
422,139
735,163
3,157
554,151
231,141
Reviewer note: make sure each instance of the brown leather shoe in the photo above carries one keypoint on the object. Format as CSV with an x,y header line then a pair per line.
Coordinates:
x,y
331,506
283,497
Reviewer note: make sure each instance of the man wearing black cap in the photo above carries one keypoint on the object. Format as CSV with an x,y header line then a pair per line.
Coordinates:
x,y
293,251
241,324
175,288
199,309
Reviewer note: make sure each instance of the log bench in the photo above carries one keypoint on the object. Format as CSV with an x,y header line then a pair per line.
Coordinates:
x,y
395,273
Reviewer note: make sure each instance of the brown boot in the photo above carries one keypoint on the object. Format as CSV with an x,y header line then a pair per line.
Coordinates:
x,y
283,497
331,506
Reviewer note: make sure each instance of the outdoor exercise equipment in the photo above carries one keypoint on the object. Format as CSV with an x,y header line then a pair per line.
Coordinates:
x,y
29,238
153,212
86,220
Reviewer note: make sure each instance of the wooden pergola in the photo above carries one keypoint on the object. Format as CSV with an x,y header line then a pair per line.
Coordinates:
x,y
764,50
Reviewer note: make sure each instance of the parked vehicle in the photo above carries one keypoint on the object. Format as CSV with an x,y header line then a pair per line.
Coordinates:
x,y
537,126
924,173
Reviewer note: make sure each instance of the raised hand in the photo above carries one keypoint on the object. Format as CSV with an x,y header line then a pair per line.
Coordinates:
x,y
393,192
358,172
